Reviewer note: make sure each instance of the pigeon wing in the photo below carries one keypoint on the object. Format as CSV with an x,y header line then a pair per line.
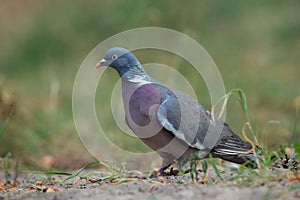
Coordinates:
x,y
182,115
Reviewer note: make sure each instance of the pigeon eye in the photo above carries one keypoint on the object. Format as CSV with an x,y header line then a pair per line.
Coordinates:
x,y
114,57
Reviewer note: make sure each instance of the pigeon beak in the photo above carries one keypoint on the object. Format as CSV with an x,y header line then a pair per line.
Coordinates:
x,y
101,63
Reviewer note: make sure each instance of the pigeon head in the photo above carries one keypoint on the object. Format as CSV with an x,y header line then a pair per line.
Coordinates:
x,y
121,60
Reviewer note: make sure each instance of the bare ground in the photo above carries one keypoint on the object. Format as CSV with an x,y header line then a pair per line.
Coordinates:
x,y
137,186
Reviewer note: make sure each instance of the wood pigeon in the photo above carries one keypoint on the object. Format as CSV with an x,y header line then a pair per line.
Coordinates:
x,y
171,122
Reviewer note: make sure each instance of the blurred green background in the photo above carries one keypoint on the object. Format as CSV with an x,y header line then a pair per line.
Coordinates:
x,y
255,44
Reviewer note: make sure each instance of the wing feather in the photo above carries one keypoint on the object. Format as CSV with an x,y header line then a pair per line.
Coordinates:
x,y
185,118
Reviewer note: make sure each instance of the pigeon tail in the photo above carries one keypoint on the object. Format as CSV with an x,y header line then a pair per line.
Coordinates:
x,y
234,149
248,159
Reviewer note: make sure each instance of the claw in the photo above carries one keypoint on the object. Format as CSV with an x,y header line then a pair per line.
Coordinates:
x,y
173,171
160,172
157,173
204,178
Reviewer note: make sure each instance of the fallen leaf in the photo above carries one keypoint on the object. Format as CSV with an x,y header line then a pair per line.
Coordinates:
x,y
50,190
31,187
38,183
13,184
2,187
292,176
92,180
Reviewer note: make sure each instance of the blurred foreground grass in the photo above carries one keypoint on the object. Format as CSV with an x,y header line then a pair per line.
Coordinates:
x,y
255,45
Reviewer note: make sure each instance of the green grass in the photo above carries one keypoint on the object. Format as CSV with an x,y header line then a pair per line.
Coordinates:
x,y
113,172
267,173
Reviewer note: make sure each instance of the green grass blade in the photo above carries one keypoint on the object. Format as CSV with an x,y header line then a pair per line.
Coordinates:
x,y
76,173
243,101
204,166
53,173
213,163
112,170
